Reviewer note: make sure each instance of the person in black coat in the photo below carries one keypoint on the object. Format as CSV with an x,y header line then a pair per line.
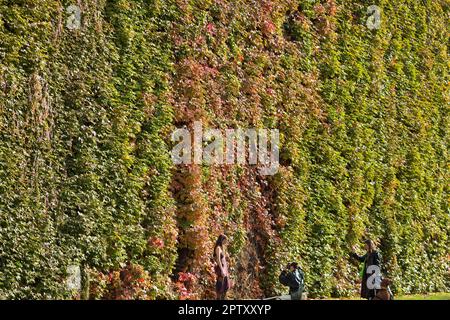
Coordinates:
x,y
372,257
293,277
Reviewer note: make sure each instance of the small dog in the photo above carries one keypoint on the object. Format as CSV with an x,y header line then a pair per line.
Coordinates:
x,y
384,293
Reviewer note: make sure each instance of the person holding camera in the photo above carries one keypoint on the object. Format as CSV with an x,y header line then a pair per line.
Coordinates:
x,y
293,277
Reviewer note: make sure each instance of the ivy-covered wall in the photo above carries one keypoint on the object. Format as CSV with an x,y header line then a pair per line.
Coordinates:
x,y
86,115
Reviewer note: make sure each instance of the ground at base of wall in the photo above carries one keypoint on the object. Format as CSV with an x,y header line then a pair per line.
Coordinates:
x,y
426,296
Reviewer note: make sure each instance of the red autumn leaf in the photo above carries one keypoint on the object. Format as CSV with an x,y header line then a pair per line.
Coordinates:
x,y
211,28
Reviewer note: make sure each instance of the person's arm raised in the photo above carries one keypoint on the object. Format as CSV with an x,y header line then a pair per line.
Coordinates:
x,y
355,256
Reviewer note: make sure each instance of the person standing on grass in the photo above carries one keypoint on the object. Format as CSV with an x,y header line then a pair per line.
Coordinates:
x,y
371,258
221,268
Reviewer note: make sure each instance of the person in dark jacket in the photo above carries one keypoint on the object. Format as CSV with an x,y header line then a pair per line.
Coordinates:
x,y
371,257
293,277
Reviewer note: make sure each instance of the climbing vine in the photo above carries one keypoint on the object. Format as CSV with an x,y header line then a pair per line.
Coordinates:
x,y
87,109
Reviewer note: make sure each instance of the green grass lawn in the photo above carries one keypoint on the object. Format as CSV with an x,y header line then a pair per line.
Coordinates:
x,y
429,296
